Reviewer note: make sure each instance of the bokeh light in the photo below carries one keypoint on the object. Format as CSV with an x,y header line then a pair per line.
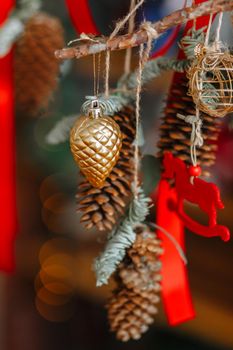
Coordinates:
x,y
55,281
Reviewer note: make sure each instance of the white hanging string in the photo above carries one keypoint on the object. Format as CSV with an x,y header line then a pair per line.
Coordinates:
x,y
208,30
118,27
173,240
217,38
196,139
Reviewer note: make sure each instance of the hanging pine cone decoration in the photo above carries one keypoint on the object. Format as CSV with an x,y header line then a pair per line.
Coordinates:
x,y
211,81
175,133
95,143
102,207
36,68
133,305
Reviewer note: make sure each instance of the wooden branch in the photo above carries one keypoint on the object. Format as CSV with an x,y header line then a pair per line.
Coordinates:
x,y
122,42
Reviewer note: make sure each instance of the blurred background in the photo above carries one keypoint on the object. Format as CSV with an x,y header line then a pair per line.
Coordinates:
x,y
51,301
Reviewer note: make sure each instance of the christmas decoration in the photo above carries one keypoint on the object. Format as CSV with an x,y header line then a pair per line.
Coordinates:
x,y
132,307
102,207
211,80
95,142
205,194
176,294
131,252
175,132
36,69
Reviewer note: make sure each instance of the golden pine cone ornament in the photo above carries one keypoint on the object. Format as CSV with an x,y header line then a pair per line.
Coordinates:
x,y
101,208
133,305
95,142
35,66
175,133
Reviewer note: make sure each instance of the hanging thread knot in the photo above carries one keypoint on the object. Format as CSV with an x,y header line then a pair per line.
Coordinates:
x,y
196,138
149,29
196,122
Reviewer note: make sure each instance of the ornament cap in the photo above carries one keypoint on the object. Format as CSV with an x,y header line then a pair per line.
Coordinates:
x,y
95,110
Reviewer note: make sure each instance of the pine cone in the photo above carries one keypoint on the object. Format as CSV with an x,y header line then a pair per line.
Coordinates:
x,y
133,305
101,207
175,133
36,68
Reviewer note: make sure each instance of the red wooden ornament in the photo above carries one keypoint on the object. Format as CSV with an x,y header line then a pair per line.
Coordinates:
x,y
206,195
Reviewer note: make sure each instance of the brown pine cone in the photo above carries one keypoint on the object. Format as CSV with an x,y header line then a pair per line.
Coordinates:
x,y
101,207
36,68
133,305
131,313
175,133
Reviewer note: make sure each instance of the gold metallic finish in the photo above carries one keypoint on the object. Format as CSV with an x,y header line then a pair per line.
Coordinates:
x,y
95,143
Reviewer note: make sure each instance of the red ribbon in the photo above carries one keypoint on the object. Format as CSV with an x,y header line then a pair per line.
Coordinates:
x,y
81,16
170,41
8,222
175,287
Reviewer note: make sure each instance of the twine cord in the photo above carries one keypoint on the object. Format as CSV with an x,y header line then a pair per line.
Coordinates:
x,y
118,27
220,17
137,117
208,30
128,52
196,139
144,53
96,75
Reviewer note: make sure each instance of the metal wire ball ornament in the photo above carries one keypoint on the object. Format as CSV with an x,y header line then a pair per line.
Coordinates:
x,y
211,80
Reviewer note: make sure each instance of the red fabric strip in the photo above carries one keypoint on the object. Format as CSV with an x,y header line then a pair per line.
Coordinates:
x,y
175,287
8,222
170,41
81,16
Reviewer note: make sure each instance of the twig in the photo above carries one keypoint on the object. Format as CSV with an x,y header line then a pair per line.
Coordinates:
x,y
122,42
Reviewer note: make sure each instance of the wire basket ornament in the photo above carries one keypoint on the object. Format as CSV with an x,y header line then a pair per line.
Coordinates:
x,y
211,81
211,75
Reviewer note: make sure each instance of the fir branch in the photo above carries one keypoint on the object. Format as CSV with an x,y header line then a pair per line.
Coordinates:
x,y
152,70
9,33
121,239
190,41
120,98
61,131
122,42
27,8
